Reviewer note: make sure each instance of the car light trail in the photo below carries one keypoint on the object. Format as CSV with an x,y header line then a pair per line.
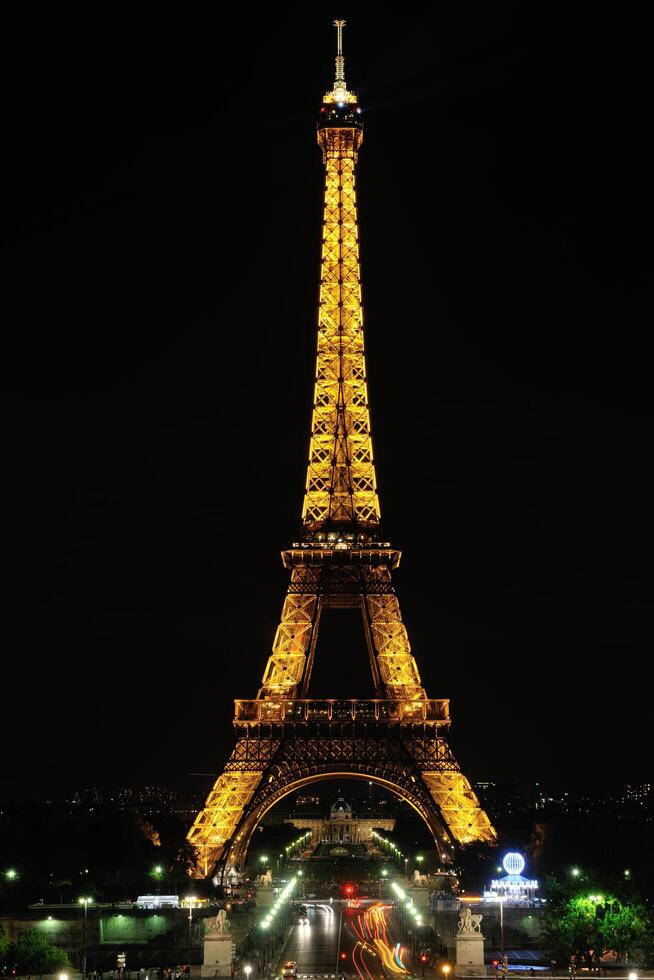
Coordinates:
x,y
371,934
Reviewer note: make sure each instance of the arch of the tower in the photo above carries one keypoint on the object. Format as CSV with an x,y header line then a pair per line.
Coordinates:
x,y
282,780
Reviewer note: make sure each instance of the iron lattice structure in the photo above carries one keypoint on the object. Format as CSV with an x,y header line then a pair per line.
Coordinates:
x,y
284,739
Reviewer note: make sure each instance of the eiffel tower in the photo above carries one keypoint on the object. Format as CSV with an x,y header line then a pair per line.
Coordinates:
x,y
285,739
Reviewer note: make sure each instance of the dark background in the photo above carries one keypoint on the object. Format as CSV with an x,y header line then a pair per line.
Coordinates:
x,y
162,207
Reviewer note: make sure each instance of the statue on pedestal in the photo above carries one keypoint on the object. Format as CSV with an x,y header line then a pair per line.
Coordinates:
x,y
469,923
221,926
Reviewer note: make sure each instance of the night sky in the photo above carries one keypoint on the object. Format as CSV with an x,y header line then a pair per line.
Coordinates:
x,y
162,208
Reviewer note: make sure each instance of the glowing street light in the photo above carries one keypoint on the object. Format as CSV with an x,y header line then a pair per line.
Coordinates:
x,y
85,902
247,970
446,969
190,899
575,872
11,873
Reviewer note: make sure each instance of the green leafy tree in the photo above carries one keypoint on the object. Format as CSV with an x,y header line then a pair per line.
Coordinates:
x,y
587,928
4,942
33,954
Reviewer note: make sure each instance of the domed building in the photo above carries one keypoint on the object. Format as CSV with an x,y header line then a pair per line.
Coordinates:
x,y
342,826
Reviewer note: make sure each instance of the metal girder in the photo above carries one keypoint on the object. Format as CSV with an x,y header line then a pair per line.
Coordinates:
x,y
302,759
341,486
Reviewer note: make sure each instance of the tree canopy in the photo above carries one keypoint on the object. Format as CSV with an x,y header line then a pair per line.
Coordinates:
x,y
585,927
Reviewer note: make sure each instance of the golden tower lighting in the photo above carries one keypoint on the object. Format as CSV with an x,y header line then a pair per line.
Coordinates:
x,y
284,739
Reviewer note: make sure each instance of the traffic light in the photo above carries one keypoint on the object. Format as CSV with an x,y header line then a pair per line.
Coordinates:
x,y
348,889
424,958
343,955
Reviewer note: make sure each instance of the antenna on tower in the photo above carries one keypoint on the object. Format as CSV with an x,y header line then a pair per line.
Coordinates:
x,y
340,60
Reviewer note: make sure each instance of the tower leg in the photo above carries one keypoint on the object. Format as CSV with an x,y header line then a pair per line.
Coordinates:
x,y
229,798
451,792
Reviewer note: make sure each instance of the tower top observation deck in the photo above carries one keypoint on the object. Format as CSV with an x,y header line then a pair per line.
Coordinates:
x,y
340,107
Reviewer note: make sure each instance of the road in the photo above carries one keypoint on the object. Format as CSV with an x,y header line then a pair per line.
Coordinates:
x,y
351,941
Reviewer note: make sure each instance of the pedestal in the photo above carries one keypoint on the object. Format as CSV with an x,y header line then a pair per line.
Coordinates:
x,y
217,960
469,954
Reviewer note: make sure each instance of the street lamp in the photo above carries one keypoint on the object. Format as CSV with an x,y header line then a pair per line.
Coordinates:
x,y
446,969
190,899
247,970
406,868
85,902
11,874
500,899
575,872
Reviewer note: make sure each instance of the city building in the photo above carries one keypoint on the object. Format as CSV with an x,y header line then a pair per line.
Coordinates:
x,y
341,824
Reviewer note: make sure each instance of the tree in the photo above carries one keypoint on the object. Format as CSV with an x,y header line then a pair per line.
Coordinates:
x,y
33,954
4,942
589,927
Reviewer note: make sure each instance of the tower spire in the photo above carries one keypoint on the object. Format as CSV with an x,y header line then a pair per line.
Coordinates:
x,y
340,60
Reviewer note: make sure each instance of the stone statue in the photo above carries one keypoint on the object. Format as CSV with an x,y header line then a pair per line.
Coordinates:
x,y
419,880
265,880
469,923
221,926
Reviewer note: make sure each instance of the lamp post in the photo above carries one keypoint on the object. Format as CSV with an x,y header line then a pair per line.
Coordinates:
x,y
501,901
85,902
190,900
247,970
406,868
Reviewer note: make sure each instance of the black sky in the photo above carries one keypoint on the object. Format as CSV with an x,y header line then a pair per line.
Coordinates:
x,y
162,206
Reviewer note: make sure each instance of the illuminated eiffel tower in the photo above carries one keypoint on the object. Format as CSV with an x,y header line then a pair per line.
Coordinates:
x,y
284,739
